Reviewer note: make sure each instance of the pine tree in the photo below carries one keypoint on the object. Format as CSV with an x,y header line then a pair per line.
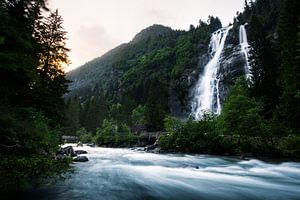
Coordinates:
x,y
289,81
51,85
18,52
263,67
72,117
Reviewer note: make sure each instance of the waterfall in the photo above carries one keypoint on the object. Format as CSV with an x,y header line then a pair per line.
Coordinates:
x,y
244,48
206,95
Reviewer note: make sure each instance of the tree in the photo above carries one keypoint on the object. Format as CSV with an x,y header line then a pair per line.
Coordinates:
x,y
28,142
289,80
50,84
72,117
241,113
18,52
156,105
214,23
264,67
138,115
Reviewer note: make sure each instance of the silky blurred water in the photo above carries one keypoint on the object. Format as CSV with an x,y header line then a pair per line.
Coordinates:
x,y
127,174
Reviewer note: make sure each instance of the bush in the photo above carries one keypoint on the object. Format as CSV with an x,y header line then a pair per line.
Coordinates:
x,y
115,135
189,136
290,146
84,135
27,156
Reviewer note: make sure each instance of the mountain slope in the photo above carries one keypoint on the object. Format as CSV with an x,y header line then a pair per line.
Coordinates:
x,y
158,70
158,60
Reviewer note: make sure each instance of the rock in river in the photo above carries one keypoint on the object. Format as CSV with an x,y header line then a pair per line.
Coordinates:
x,y
80,159
69,151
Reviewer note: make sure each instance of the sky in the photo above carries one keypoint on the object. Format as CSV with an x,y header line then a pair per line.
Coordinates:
x,y
96,26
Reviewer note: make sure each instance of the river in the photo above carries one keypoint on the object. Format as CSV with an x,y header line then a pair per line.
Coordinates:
x,y
123,174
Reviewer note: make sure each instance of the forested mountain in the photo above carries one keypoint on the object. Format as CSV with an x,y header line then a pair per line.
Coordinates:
x,y
158,67
155,75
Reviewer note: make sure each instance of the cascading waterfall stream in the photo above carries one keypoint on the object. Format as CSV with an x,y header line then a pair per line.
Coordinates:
x,y
244,48
206,96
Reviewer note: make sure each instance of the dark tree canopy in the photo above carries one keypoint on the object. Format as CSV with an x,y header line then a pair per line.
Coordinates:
x,y
32,85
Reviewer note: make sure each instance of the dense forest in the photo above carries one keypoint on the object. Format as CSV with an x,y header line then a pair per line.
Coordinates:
x,y
145,86
32,85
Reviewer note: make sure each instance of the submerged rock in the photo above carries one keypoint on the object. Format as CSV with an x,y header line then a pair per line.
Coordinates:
x,y
80,159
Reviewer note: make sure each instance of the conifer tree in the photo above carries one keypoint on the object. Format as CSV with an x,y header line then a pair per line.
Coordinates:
x,y
51,84
289,81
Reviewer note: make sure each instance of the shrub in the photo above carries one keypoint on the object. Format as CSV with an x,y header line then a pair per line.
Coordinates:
x,y
113,134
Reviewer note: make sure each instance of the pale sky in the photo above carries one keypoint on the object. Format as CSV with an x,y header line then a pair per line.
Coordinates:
x,y
96,26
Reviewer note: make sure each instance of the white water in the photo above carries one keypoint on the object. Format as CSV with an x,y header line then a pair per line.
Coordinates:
x,y
113,174
207,91
245,48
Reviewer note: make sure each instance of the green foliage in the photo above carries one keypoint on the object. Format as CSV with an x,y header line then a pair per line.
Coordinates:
x,y
50,84
243,124
189,136
27,154
289,80
17,49
116,112
241,113
92,111
32,86
143,72
114,134
134,83
172,124
241,128
214,23
138,115
84,135
72,117
291,145
20,172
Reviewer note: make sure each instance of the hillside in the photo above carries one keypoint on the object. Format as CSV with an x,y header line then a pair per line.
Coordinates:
x,y
157,57
183,74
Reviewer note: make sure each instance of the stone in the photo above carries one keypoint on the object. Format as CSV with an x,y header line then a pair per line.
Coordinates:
x,y
80,159
69,151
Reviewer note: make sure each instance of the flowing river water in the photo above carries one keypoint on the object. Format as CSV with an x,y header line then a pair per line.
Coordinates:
x,y
123,174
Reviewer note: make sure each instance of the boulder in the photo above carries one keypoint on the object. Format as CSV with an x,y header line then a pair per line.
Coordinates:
x,y
69,151
80,152
80,159
79,144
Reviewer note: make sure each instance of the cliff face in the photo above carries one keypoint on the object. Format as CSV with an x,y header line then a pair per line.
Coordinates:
x,y
232,64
